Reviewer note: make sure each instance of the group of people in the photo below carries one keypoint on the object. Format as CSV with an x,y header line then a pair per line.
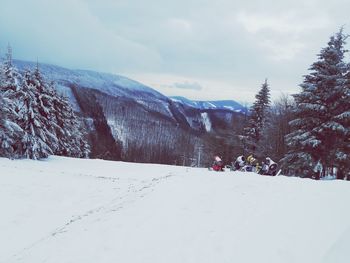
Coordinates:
x,y
249,164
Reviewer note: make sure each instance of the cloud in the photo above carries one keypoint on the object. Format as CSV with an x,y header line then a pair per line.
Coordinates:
x,y
211,89
286,22
187,85
180,24
228,46
66,32
282,35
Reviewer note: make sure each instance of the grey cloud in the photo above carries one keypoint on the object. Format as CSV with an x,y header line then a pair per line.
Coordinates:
x,y
66,32
187,85
228,41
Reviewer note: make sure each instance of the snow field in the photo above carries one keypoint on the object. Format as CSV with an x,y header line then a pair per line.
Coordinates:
x,y
72,210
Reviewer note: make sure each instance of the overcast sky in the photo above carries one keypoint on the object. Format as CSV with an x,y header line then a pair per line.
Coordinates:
x,y
222,49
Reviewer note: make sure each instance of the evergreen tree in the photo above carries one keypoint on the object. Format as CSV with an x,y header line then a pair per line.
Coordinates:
x,y
50,124
342,116
10,93
317,127
35,120
10,81
10,132
39,140
10,78
69,131
258,122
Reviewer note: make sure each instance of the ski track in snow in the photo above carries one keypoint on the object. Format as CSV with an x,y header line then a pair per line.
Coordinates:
x,y
134,193
70,210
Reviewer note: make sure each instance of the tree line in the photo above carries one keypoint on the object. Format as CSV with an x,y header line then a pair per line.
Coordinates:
x,y
309,133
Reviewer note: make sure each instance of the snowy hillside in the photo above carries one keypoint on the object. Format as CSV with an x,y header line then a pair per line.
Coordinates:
x,y
210,105
126,120
71,210
111,84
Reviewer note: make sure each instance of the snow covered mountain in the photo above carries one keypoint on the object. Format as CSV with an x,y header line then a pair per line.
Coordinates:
x,y
76,210
211,105
145,125
111,84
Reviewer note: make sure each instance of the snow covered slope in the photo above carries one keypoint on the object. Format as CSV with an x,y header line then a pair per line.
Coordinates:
x,y
211,105
118,87
69,210
111,84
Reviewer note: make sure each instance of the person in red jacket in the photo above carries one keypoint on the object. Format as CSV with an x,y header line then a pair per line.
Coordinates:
x,y
218,164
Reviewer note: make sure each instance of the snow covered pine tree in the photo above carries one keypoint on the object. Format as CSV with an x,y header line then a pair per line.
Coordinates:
x,y
319,137
36,121
9,130
10,92
39,139
342,116
257,122
50,125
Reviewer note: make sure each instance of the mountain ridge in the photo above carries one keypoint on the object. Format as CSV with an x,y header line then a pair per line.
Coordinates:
x,y
211,104
128,119
118,85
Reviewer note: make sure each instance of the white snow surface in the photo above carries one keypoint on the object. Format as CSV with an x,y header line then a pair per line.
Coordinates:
x,y
229,108
72,210
206,121
211,105
118,131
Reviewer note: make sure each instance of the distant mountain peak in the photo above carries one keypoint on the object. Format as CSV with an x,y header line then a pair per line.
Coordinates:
x,y
230,105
